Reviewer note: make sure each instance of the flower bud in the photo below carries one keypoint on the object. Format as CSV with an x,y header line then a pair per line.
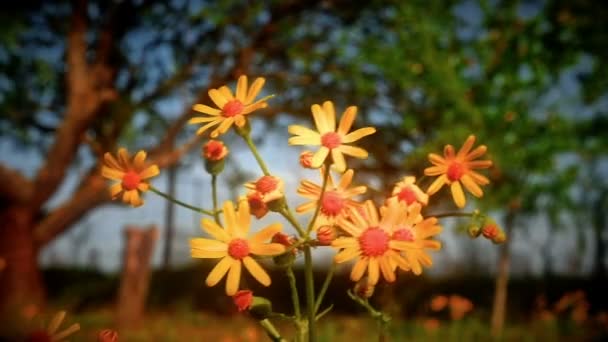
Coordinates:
x,y
363,289
107,335
243,300
287,258
257,206
326,234
261,308
306,159
473,230
214,152
493,232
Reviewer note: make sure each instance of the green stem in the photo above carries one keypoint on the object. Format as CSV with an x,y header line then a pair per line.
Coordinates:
x,y
178,202
272,332
318,209
216,214
328,278
310,294
452,214
295,300
286,213
255,152
381,318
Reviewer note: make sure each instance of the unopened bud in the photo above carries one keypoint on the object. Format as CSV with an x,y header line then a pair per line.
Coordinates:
x,y
473,230
363,289
243,300
261,308
306,159
287,258
326,234
493,232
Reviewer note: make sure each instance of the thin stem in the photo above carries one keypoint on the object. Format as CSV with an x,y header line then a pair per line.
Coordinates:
x,y
452,214
216,214
328,278
310,294
295,300
381,318
318,209
272,332
178,202
256,154
286,213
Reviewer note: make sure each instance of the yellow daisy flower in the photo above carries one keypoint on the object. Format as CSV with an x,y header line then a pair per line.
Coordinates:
x,y
371,243
330,139
410,227
456,168
235,249
335,201
131,174
231,108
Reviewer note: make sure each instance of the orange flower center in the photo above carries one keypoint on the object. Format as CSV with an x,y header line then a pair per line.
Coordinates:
x,y
407,195
266,184
238,249
331,140
374,242
403,234
455,171
214,150
131,180
490,231
257,206
233,108
332,203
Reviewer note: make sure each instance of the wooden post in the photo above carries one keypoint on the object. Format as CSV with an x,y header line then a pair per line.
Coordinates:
x,y
139,247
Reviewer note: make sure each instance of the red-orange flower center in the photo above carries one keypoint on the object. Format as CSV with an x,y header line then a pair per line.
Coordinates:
x,y
243,300
455,171
214,150
490,231
332,203
331,140
374,242
266,184
403,234
238,249
131,180
232,108
407,195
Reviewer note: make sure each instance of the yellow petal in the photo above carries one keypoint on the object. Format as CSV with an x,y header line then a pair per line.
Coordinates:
x,y
346,179
320,118
466,147
123,157
218,98
240,120
436,159
373,273
208,245
387,270
112,173
346,255
473,188
434,170
223,127
256,271
218,272
319,157
243,219
345,242
56,322
479,178
479,164
436,185
149,172
305,140
358,134
328,108
241,89
476,153
348,117
215,231
458,194
206,110
135,198
254,90
339,164
143,187
359,269
204,128
226,92
302,131
111,161
266,234
266,249
348,227
448,152
234,278
115,190
138,160
208,255
400,262
414,264
353,151
230,216
306,207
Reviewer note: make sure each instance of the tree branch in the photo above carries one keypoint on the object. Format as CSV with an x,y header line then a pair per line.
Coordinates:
x,y
14,187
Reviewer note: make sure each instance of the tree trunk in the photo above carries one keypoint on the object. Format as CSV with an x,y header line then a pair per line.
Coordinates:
x,y
169,215
139,247
599,224
499,307
20,281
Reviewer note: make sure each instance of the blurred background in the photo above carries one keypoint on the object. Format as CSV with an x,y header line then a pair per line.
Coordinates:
x,y
528,78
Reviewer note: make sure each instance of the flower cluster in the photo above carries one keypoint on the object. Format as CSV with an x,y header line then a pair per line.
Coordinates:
x,y
380,240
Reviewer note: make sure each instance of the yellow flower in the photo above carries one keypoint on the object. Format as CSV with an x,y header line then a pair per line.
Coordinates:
x,y
456,168
231,108
235,249
335,201
407,191
131,174
410,227
371,243
329,138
